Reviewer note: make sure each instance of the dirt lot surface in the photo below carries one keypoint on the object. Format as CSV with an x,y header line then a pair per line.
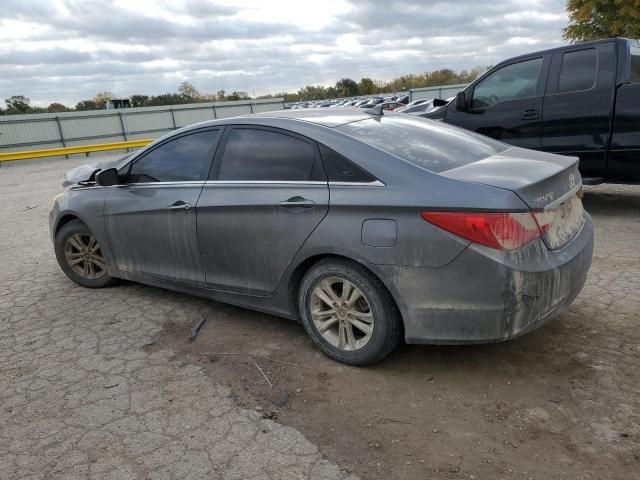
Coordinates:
x,y
562,402
106,384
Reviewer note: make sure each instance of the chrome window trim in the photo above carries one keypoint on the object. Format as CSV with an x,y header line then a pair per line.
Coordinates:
x,y
195,183
376,183
265,182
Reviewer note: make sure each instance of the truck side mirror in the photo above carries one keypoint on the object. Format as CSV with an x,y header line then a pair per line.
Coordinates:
x,y
108,177
461,102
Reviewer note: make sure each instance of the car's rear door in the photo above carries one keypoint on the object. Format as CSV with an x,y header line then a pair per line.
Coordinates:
x,y
150,218
267,192
578,104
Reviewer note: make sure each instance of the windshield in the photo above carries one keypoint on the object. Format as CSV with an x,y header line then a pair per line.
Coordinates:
x,y
426,143
635,61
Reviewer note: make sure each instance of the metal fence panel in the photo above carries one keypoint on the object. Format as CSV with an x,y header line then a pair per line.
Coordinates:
x,y
194,115
226,111
147,121
88,127
266,107
51,130
26,132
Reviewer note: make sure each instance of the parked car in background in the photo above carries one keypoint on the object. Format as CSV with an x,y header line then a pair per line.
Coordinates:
x,y
426,106
359,225
580,100
413,104
390,106
371,103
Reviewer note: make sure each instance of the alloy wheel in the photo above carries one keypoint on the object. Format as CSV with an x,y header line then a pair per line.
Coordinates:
x,y
83,255
341,313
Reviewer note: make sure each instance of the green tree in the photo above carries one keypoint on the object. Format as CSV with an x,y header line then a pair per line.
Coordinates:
x,y
189,92
139,100
366,86
238,95
313,92
102,98
17,104
220,96
167,99
346,87
84,105
595,19
57,108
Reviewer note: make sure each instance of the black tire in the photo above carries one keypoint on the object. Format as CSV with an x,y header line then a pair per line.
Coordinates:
x,y
69,230
387,324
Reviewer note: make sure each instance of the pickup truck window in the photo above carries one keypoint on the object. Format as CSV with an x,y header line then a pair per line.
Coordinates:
x,y
635,64
518,80
578,71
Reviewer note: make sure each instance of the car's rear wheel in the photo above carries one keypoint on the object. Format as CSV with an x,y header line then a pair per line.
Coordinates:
x,y
348,312
80,256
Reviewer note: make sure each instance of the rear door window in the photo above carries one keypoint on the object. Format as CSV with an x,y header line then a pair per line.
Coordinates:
x,y
578,71
186,158
264,155
518,80
339,169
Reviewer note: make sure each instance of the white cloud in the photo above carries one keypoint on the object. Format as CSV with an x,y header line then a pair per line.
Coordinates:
x,y
67,50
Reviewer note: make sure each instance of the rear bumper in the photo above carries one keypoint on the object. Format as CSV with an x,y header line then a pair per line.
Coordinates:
x,y
485,295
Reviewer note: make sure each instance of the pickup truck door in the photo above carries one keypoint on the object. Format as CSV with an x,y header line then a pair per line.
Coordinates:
x,y
577,108
507,103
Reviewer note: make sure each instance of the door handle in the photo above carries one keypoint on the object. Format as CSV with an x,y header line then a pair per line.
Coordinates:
x,y
297,203
179,205
529,114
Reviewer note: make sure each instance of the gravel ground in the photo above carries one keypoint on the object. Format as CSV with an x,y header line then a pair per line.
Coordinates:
x,y
104,384
81,398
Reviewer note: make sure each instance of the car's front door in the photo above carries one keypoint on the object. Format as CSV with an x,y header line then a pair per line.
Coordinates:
x,y
507,104
267,193
150,218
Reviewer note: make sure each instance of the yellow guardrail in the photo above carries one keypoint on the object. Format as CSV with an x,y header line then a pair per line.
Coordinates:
x,y
54,152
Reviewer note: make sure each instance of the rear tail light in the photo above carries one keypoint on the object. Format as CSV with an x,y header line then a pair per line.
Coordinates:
x,y
502,231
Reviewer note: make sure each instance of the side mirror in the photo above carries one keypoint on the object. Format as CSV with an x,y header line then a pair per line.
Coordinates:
x,y
461,102
108,177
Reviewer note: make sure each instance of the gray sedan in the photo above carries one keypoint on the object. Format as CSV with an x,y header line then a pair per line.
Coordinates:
x,y
369,228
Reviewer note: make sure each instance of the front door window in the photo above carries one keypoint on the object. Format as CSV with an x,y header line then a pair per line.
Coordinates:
x,y
515,81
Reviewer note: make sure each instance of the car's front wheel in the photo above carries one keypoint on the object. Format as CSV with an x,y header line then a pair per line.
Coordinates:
x,y
80,256
348,312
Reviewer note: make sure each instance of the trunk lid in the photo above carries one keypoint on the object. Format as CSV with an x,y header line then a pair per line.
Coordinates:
x,y
549,184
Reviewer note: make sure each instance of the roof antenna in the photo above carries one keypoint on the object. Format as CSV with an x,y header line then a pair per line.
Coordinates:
x,y
376,110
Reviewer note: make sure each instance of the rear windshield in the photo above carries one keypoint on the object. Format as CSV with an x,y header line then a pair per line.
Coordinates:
x,y
635,61
426,143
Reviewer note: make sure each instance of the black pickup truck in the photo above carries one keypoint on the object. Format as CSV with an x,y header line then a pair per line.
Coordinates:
x,y
581,100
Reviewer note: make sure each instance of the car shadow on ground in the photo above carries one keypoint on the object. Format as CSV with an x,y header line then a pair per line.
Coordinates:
x,y
403,417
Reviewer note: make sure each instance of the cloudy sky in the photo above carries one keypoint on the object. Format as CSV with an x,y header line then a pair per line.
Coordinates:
x,y
68,50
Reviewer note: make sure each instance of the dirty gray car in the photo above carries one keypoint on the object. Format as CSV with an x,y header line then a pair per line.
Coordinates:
x,y
368,228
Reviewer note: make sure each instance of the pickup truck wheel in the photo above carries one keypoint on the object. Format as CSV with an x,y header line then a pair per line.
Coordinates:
x,y
80,257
